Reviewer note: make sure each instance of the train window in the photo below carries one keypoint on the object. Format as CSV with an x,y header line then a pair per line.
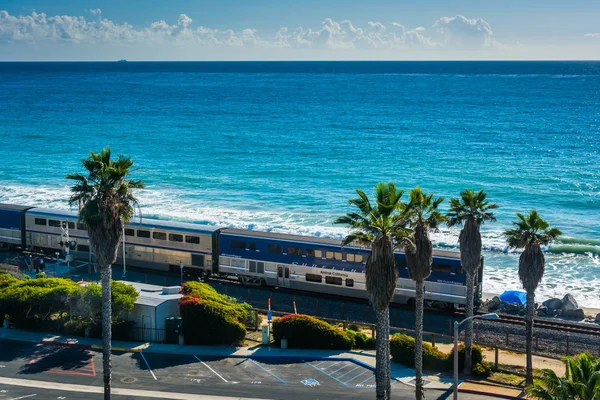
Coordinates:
x,y
294,250
329,255
143,234
129,232
333,280
81,226
71,225
192,239
252,266
313,278
287,273
260,267
40,221
310,253
55,223
441,268
459,270
236,244
174,237
318,254
159,235
198,260
83,247
358,258
280,272
252,246
350,257
338,256
275,248
349,282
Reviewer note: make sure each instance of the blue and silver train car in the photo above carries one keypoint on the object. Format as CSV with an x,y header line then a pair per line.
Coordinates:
x,y
151,244
322,265
12,222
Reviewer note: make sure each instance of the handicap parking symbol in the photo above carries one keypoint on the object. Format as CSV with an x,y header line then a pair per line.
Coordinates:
x,y
311,382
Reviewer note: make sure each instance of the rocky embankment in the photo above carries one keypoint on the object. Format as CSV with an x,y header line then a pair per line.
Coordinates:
x,y
566,307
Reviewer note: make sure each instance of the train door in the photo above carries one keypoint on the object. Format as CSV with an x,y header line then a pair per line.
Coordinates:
x,y
283,275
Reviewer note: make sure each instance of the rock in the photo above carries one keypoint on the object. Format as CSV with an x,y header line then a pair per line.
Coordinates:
x,y
598,317
494,304
577,313
552,303
569,303
542,310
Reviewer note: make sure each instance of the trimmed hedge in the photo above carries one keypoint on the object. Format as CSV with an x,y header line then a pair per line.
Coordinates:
x,y
305,332
402,349
209,322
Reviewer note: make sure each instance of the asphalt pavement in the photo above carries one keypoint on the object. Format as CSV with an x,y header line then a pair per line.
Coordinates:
x,y
59,371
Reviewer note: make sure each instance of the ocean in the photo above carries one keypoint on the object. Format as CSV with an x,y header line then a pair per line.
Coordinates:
x,y
281,146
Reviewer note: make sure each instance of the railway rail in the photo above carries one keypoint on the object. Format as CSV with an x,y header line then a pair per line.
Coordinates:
x,y
550,324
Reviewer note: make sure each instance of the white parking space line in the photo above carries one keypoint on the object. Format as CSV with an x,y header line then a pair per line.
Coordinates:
x,y
148,365
272,374
215,372
341,368
330,365
23,397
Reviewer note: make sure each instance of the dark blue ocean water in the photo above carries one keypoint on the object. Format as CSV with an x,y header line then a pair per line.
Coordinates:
x,y
282,145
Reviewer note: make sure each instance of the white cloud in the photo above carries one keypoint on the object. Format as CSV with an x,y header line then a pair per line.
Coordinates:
x,y
463,31
78,37
592,35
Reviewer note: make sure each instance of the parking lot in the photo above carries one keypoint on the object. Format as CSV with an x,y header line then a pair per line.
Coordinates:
x,y
243,377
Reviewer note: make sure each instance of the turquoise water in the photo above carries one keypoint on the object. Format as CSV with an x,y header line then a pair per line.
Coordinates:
x,y
281,146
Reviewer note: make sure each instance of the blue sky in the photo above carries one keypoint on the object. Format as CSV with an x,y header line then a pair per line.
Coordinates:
x,y
309,29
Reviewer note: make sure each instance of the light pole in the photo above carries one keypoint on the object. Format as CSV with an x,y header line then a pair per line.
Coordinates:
x,y
181,268
124,277
456,326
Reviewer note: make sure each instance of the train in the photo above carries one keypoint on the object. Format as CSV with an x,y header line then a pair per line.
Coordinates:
x,y
306,263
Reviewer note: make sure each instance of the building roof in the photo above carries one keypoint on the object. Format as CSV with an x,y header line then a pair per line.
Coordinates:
x,y
153,295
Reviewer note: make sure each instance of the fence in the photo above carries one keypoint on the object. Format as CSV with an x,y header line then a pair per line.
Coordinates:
x,y
147,335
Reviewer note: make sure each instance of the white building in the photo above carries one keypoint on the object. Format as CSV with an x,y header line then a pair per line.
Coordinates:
x,y
153,306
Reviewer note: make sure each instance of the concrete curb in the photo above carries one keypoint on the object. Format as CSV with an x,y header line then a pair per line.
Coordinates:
x,y
87,346
66,344
496,395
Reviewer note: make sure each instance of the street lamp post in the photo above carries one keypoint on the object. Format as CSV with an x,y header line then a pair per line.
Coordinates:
x,y
181,269
124,277
456,327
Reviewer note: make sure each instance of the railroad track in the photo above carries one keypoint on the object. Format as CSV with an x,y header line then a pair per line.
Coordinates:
x,y
555,324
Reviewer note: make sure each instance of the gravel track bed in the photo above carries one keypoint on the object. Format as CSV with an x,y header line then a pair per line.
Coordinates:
x,y
551,343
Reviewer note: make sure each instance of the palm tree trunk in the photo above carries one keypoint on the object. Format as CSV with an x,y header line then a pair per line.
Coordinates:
x,y
529,336
106,273
419,394
469,325
388,372
382,357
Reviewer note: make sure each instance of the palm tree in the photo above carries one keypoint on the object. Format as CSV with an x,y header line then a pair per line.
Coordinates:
x,y
422,215
472,210
581,381
106,201
380,226
531,232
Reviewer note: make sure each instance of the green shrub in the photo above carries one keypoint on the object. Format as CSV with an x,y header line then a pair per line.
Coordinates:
x,y
305,332
361,341
402,349
482,369
354,327
209,322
